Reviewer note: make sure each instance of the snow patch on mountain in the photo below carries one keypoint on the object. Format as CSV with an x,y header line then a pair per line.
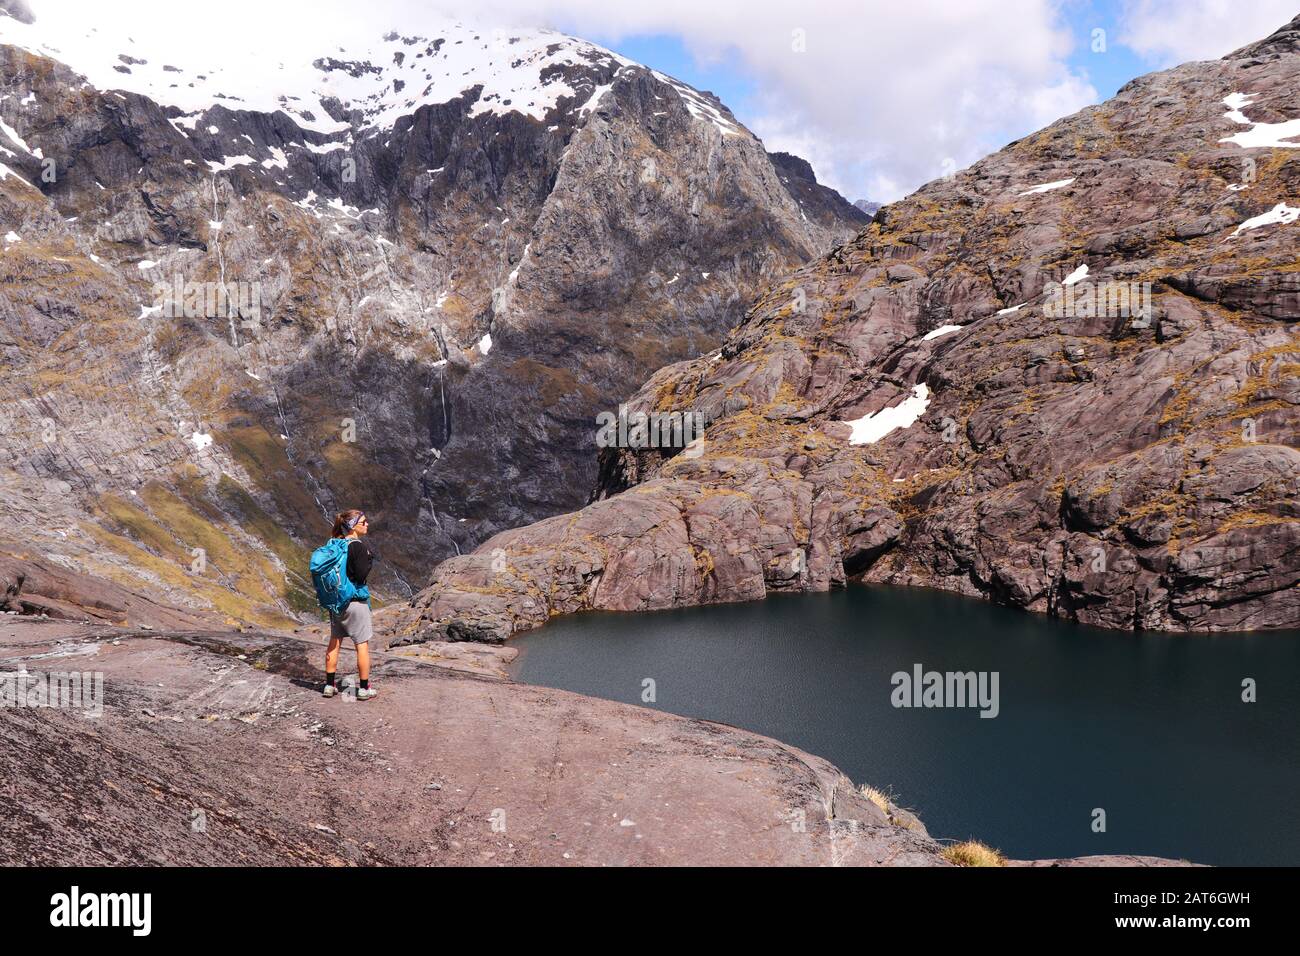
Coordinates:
x,y
229,162
1280,215
15,138
872,427
700,107
6,172
1260,135
940,331
1047,187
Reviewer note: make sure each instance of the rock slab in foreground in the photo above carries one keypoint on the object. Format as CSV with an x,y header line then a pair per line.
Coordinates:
x,y
233,725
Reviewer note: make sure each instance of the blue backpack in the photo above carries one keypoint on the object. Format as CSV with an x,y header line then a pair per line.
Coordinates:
x,y
329,573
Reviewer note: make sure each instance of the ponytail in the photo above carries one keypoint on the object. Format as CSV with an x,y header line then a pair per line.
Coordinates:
x,y
345,521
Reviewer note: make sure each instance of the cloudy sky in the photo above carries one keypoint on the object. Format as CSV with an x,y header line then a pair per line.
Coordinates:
x,y
880,96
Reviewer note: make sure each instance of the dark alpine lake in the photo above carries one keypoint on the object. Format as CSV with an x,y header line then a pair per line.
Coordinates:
x,y
1151,728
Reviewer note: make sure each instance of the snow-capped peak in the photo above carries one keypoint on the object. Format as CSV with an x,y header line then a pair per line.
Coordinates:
x,y
515,70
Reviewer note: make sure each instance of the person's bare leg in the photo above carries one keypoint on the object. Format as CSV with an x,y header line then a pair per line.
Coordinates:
x,y
332,655
363,660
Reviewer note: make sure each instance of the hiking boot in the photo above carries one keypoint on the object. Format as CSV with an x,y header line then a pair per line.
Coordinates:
x,y
329,690
365,693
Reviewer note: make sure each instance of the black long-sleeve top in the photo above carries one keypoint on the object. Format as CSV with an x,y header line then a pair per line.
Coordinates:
x,y
360,560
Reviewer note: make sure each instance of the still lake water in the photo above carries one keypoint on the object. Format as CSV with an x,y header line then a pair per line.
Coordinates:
x,y
1149,727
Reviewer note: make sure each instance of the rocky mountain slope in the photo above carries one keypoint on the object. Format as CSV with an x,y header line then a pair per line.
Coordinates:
x,y
403,276
1064,379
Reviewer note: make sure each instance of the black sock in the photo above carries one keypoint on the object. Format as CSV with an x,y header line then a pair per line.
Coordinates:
x,y
329,679
365,684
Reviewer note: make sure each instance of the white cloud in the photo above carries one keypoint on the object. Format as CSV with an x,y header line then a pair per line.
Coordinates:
x,y
1168,32
887,96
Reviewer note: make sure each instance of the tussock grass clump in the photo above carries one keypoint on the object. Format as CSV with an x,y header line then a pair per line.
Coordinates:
x,y
876,797
973,853
895,814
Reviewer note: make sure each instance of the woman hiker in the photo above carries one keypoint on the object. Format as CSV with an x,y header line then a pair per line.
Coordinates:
x,y
353,620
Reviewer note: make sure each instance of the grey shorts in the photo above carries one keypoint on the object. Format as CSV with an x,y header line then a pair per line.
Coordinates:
x,y
354,622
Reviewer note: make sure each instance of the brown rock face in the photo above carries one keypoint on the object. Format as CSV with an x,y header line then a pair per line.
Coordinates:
x,y
217,749
31,586
1088,345
420,317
